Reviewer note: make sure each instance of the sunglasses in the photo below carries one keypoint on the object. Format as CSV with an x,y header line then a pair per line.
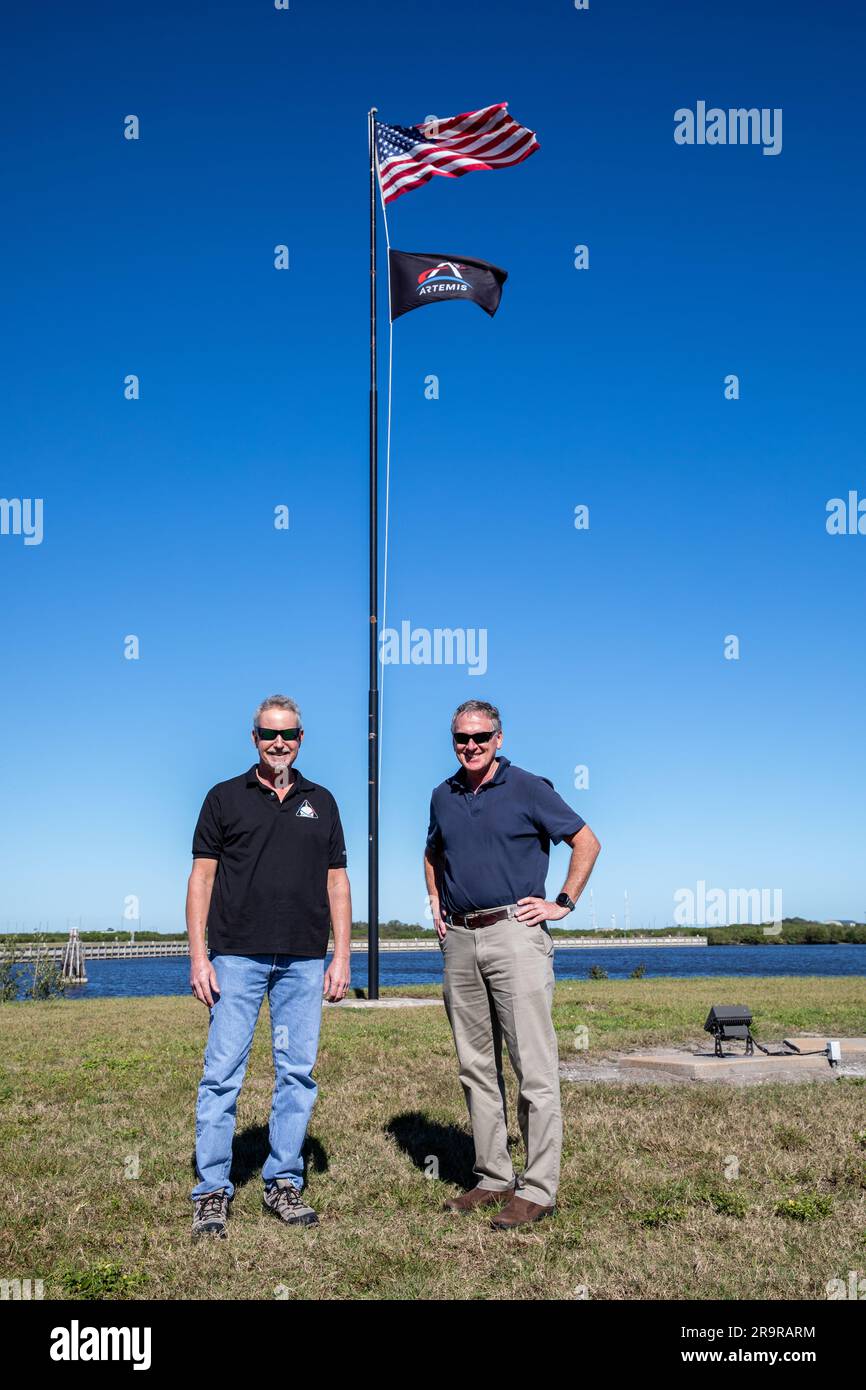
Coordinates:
x,y
268,735
484,737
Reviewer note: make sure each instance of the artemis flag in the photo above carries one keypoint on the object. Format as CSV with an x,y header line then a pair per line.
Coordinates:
x,y
408,156
418,278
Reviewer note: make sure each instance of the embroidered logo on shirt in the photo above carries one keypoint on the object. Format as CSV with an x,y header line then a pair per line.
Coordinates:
x,y
305,809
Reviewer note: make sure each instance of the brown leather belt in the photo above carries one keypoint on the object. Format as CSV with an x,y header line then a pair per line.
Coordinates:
x,y
484,917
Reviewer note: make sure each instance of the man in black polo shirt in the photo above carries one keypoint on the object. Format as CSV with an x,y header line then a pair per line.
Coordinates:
x,y
268,882
486,862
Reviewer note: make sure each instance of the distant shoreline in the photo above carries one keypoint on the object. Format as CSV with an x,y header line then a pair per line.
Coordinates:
x,y
396,935
174,947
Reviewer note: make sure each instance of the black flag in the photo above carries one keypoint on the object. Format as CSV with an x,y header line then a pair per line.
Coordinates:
x,y
418,279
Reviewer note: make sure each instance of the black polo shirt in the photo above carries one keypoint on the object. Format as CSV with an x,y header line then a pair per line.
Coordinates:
x,y
271,886
495,843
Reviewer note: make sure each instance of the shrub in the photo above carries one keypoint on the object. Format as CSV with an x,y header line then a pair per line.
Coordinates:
x,y
661,1215
47,981
727,1203
810,1207
101,1281
8,980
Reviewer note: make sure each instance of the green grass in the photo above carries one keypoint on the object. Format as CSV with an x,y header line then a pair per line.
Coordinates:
x,y
97,1091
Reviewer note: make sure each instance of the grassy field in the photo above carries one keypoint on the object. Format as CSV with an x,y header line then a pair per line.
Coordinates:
x,y
97,1130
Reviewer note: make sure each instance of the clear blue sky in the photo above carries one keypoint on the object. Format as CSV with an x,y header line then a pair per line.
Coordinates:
x,y
604,387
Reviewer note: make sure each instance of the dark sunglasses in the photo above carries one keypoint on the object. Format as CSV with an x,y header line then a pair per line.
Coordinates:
x,y
484,737
268,735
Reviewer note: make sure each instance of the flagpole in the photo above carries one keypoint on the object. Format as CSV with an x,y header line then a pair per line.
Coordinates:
x,y
373,693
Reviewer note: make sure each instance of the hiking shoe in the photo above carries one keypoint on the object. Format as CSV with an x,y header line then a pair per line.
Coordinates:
x,y
284,1200
210,1213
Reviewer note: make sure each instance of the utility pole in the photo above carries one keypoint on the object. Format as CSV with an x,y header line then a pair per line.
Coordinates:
x,y
373,636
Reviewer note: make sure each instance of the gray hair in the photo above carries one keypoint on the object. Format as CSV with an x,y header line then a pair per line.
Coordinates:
x,y
278,702
478,707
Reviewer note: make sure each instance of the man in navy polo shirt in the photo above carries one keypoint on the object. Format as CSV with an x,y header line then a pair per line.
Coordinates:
x,y
486,861
268,882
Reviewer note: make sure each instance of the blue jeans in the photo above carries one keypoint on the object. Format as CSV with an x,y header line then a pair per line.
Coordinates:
x,y
294,988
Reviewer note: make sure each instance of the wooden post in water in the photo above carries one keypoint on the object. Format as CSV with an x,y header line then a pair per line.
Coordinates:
x,y
72,967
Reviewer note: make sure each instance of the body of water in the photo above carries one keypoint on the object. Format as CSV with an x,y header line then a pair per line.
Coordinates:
x,y
119,978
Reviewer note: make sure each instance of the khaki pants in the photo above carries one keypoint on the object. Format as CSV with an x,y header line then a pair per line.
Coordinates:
x,y
499,983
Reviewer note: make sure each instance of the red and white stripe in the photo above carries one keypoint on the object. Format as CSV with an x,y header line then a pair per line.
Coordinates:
x,y
485,139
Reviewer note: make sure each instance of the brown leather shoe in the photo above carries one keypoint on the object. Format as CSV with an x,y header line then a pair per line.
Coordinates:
x,y
477,1197
519,1212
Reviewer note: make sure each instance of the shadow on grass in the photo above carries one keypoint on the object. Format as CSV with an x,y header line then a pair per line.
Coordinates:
x,y
251,1147
422,1139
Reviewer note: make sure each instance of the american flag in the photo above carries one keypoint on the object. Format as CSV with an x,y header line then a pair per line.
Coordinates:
x,y
408,156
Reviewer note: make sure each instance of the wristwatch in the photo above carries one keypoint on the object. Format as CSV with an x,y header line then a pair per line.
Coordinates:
x,y
565,901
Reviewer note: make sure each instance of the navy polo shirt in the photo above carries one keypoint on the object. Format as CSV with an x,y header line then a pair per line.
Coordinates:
x,y
271,887
495,843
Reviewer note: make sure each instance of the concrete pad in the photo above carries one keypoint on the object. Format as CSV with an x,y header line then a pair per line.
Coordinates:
x,y
385,1004
684,1065
708,1067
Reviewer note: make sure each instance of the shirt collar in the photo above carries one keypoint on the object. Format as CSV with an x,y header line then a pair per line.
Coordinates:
x,y
458,781
300,783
